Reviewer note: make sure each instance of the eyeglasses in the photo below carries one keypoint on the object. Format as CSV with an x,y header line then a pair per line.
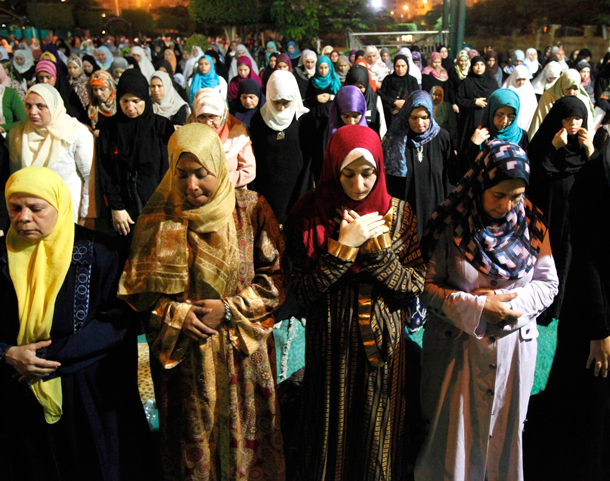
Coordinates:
x,y
501,116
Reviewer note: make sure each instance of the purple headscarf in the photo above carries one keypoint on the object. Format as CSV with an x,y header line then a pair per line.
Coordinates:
x,y
348,99
351,52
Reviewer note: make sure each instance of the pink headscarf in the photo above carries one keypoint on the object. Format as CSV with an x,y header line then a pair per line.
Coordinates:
x,y
4,78
46,66
440,73
235,81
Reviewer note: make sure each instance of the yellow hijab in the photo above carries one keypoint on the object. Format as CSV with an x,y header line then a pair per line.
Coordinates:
x,y
38,270
159,259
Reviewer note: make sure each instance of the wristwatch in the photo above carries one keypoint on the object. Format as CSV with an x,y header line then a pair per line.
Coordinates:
x,y
228,316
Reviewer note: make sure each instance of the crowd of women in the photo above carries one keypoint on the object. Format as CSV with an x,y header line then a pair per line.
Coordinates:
x,y
201,197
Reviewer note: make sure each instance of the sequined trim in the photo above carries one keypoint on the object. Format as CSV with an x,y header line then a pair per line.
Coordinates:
x,y
82,256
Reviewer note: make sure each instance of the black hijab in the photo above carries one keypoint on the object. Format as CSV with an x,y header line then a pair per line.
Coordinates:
x,y
166,65
92,61
573,155
221,68
248,86
133,63
359,74
136,139
479,85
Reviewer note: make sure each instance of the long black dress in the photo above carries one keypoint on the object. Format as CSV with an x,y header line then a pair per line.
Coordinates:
x,y
393,88
428,182
471,115
314,124
574,442
283,172
103,434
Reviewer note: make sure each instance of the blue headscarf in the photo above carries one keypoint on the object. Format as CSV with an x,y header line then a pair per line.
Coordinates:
x,y
331,78
296,52
268,54
201,81
395,141
501,98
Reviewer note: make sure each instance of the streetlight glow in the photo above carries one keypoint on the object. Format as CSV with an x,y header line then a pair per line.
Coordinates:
x,y
405,8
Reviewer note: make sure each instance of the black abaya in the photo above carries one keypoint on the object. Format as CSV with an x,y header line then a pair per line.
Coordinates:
x,y
393,88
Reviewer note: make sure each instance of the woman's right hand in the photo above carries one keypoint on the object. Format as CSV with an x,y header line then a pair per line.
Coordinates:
x,y
120,221
456,109
398,103
193,328
480,135
355,230
323,98
561,139
28,364
496,310
481,102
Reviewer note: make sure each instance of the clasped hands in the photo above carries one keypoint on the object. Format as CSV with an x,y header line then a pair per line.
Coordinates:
x,y
496,310
355,230
203,319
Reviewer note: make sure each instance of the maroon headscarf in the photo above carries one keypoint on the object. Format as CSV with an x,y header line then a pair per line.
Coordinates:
x,y
313,215
284,58
235,81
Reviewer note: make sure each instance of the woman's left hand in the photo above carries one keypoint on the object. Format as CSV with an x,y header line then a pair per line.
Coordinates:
x,y
216,314
600,354
585,139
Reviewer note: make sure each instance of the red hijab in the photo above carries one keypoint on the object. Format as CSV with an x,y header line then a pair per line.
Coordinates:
x,y
235,81
313,216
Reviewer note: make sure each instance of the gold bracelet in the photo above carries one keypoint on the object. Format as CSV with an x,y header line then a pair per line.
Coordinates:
x,y
341,251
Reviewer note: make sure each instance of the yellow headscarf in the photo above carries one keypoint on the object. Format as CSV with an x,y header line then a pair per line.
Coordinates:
x,y
38,270
29,145
159,258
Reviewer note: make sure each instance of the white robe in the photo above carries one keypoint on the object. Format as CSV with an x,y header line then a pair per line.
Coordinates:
x,y
477,377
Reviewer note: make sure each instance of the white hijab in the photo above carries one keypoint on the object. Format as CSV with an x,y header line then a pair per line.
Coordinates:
x,y
189,67
527,97
146,66
171,102
379,70
43,147
306,54
233,68
282,85
540,83
27,56
533,65
414,70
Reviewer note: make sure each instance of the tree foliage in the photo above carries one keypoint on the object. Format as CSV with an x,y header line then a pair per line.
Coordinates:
x,y
196,40
226,12
52,15
141,20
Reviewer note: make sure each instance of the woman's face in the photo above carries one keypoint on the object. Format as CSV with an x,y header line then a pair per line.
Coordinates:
x,y
241,53
137,57
444,52
37,111
572,124
516,63
352,57
243,70
20,60
463,61
310,63
385,56
270,49
560,55
361,86
437,97
572,90
491,61
157,90
45,78
233,46
167,55
503,117
282,66
290,49
117,72
272,62
585,74
249,101
419,120
74,70
478,68
101,92
520,82
401,68
550,80
358,179
87,67
31,217
351,118
575,54
436,63
280,104
193,181
211,120
500,199
370,57
204,66
132,106
323,69
532,56
101,56
334,56
343,67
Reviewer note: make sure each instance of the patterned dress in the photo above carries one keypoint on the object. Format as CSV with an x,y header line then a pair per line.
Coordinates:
x,y
219,417
361,408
